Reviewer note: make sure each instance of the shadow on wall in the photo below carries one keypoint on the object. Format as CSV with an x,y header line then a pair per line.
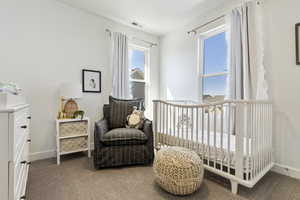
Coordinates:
x,y
283,133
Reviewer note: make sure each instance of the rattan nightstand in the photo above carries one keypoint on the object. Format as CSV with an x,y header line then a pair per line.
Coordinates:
x,y
72,135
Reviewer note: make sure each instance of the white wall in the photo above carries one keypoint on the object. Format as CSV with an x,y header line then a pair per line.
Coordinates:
x,y
280,19
44,43
179,72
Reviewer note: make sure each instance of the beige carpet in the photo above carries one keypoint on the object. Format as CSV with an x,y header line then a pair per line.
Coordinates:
x,y
75,179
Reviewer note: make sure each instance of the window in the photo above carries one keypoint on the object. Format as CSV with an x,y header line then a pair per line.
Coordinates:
x,y
213,65
138,72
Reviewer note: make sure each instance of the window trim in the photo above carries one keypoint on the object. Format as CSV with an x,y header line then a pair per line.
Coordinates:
x,y
201,38
146,70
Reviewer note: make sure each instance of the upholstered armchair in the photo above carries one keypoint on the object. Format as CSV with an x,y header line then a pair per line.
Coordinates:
x,y
116,145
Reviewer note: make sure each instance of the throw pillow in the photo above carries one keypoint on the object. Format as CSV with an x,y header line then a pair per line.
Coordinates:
x,y
136,119
120,109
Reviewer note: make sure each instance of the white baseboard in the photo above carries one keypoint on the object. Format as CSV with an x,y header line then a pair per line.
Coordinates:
x,y
47,154
287,170
42,155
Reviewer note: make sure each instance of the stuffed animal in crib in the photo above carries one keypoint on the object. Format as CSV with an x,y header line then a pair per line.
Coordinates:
x,y
136,119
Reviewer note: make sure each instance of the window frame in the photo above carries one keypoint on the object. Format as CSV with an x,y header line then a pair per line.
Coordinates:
x,y
201,39
146,80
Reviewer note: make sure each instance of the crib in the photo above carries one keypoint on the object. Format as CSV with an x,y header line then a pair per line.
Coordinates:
x,y
232,137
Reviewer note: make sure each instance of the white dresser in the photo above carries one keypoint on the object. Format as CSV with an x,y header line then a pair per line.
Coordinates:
x,y
14,151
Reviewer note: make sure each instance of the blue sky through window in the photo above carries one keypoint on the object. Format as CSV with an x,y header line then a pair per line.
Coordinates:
x,y
137,59
215,61
137,64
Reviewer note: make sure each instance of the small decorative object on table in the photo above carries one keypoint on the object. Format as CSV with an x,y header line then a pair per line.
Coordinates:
x,y
178,170
69,92
11,88
79,113
72,135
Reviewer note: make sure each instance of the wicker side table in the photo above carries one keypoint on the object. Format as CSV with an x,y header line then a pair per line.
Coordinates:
x,y
72,135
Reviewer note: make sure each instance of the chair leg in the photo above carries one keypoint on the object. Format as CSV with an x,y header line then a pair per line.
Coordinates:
x,y
234,187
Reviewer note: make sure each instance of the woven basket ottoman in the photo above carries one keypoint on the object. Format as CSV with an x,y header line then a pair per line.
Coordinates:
x,y
178,170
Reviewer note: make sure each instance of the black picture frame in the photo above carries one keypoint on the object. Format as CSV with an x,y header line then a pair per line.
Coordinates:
x,y
297,32
84,78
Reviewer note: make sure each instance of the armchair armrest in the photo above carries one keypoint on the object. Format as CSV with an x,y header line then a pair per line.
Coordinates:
x,y
101,127
147,129
149,133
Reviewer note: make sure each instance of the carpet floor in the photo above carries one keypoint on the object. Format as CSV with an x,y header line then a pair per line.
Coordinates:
x,y
76,179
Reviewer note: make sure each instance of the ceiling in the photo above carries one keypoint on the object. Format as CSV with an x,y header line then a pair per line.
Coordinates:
x,y
155,16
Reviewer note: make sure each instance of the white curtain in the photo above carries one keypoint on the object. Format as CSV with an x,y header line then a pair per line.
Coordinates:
x,y
239,68
120,66
245,38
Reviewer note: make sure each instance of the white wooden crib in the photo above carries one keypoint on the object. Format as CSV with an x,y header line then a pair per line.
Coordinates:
x,y
234,138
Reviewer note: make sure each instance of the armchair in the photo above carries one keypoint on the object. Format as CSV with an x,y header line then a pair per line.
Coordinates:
x,y
116,145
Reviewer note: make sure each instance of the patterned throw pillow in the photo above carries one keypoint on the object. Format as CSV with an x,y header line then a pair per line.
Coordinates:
x,y
120,109
136,119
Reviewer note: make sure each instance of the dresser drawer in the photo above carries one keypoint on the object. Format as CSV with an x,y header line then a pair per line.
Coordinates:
x,y
20,166
20,134
73,128
22,183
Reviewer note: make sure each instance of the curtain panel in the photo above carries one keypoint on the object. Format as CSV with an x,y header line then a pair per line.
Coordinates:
x,y
120,70
246,53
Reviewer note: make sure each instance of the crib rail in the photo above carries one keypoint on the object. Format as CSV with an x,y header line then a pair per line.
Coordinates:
x,y
232,137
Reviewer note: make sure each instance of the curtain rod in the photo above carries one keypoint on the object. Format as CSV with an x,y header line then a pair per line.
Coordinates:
x,y
135,38
194,30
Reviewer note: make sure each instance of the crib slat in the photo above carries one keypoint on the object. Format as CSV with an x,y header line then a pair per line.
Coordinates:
x,y
192,129
247,139
215,135
257,139
228,137
155,113
182,127
160,124
202,133
197,130
239,140
208,135
260,138
178,127
222,135
252,140
173,129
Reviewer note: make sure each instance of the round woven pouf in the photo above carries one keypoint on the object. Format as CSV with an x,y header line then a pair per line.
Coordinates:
x,y
178,170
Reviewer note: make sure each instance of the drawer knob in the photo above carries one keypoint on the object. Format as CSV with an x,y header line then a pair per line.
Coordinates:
x,y
23,162
29,117
29,140
23,197
24,126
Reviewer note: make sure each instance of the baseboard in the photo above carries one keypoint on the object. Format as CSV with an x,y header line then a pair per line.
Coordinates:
x,y
47,154
42,155
287,170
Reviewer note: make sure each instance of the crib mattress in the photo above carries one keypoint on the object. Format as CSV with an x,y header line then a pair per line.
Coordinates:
x,y
214,147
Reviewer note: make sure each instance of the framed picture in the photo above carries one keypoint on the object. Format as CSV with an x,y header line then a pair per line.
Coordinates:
x,y
91,81
298,44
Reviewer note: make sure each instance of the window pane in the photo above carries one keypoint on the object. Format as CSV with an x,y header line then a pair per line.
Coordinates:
x,y
137,89
214,88
215,54
137,64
